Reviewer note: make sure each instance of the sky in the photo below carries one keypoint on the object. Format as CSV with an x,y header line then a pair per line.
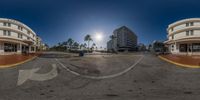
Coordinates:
x,y
57,20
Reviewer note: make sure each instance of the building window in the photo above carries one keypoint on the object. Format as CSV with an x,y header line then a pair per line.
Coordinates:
x,y
20,28
9,33
187,33
172,29
187,24
191,32
172,36
191,24
19,35
9,25
6,33
4,24
196,47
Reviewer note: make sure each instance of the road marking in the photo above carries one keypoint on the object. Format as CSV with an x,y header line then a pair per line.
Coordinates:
x,y
101,77
31,74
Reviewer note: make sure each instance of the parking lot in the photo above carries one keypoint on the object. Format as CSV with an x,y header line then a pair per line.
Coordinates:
x,y
132,76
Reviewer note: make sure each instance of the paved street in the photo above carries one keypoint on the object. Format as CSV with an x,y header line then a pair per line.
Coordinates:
x,y
63,76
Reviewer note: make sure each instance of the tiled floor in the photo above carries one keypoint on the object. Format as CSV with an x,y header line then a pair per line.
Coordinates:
x,y
182,59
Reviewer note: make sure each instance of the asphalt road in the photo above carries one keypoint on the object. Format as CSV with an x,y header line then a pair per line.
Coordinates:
x,y
96,77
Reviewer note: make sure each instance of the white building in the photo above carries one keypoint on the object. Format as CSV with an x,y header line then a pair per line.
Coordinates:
x,y
184,37
123,39
16,37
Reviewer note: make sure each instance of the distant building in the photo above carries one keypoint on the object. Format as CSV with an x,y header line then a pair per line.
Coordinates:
x,y
110,45
38,43
123,40
184,37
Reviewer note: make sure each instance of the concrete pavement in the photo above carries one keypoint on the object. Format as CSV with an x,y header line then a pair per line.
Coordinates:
x,y
150,79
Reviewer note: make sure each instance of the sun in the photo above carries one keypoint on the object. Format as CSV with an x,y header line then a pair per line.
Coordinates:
x,y
98,36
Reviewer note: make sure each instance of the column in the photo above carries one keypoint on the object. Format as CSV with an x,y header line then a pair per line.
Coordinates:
x,y
1,48
19,48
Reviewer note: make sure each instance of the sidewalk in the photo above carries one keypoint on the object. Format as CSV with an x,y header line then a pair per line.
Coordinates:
x,y
182,60
16,59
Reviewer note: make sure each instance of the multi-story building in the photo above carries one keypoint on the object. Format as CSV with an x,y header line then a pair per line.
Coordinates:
x,y
123,39
16,37
184,37
38,43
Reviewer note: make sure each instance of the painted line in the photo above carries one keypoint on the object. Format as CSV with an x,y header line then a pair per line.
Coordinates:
x,y
12,65
179,64
100,77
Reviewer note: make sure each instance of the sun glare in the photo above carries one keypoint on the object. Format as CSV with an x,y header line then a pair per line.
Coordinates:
x,y
99,36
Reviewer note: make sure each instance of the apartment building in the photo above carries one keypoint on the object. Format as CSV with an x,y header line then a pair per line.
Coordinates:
x,y
123,39
184,37
16,37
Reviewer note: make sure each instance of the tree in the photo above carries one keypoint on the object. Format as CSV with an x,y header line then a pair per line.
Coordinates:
x,y
93,46
75,45
84,45
88,39
70,42
81,46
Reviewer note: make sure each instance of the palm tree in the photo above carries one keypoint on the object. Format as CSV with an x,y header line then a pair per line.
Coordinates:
x,y
84,45
88,39
75,45
81,46
70,42
93,46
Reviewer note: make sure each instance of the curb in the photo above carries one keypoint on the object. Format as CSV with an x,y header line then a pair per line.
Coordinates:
x,y
19,63
178,64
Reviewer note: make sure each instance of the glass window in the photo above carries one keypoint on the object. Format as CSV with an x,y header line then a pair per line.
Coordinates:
x,y
9,25
9,33
191,32
4,24
187,33
19,35
191,24
187,24
196,47
4,32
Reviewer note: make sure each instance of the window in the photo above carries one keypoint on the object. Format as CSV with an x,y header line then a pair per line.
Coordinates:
x,y
172,36
191,24
191,32
6,33
4,24
187,33
172,29
196,47
9,25
187,24
9,33
20,28
19,35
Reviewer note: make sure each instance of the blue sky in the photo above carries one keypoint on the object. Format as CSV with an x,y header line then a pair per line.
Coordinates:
x,y
57,20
